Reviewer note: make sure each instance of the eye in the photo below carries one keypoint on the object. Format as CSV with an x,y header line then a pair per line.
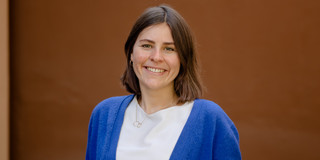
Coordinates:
x,y
146,46
170,49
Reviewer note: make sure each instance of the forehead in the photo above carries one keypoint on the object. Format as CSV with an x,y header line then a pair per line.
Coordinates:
x,y
158,32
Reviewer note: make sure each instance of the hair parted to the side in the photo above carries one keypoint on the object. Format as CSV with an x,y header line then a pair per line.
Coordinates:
x,y
187,84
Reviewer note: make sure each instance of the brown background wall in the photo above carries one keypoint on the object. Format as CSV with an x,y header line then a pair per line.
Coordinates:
x,y
259,58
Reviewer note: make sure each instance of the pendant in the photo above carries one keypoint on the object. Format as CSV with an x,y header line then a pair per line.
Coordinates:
x,y
137,124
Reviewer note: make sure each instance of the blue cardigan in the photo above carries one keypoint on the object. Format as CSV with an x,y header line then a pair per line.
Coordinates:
x,y
208,133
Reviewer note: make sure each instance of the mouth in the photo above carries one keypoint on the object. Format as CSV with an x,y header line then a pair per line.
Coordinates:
x,y
155,70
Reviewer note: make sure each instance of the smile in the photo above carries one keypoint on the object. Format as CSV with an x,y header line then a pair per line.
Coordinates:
x,y
155,70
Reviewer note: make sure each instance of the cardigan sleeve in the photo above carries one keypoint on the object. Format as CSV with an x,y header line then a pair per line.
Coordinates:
x,y
92,138
98,125
226,139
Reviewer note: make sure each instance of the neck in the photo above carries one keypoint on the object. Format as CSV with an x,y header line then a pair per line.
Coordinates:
x,y
152,101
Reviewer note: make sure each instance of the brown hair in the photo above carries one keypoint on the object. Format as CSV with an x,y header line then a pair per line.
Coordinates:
x,y
186,85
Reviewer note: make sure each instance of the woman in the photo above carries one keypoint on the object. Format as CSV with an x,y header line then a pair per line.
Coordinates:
x,y
163,119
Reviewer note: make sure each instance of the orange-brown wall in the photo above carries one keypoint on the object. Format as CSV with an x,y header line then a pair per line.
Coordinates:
x,y
260,62
4,80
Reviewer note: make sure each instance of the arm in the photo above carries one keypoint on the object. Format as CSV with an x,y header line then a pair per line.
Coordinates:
x,y
226,140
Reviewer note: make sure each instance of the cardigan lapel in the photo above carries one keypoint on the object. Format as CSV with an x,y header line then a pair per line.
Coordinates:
x,y
188,137
114,138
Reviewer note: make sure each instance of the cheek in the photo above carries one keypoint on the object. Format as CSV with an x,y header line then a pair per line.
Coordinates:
x,y
138,57
175,63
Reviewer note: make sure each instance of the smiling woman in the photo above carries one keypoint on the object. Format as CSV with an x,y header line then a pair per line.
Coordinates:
x,y
163,119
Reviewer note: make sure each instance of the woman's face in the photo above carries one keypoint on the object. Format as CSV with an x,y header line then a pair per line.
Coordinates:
x,y
155,59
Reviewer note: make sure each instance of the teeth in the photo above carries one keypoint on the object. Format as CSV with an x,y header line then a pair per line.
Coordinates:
x,y
155,70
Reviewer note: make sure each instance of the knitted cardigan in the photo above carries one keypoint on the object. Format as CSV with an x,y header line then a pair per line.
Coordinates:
x,y
208,133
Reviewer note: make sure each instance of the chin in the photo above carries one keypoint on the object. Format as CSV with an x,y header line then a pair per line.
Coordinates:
x,y
156,86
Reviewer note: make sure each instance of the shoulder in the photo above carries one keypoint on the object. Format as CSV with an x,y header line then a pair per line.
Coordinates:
x,y
208,106
111,104
225,142
112,101
212,111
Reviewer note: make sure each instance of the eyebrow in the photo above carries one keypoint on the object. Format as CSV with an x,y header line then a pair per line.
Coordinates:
x,y
151,41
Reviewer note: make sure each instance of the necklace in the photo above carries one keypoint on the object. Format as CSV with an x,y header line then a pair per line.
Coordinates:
x,y
137,123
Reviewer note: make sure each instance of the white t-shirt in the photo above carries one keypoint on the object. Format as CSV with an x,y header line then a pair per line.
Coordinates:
x,y
156,137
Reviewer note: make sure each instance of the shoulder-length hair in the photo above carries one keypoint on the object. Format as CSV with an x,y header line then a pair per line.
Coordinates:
x,y
187,83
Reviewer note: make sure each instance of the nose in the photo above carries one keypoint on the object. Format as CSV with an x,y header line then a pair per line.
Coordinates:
x,y
156,55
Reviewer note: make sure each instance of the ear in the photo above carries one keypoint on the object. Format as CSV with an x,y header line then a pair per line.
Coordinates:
x,y
131,56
